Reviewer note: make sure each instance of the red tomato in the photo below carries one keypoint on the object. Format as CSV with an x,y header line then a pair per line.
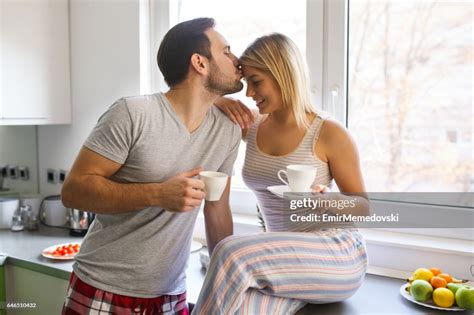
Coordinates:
x,y
68,249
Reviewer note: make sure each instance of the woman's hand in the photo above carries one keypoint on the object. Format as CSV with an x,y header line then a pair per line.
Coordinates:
x,y
320,189
237,112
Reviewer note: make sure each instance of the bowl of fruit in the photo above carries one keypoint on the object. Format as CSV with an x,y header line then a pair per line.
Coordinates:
x,y
434,289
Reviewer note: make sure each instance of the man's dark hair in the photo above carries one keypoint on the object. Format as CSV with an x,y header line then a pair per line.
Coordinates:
x,y
179,44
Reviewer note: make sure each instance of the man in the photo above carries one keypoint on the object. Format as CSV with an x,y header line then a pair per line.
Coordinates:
x,y
137,172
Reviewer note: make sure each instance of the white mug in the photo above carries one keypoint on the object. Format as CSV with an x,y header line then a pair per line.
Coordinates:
x,y
215,183
300,177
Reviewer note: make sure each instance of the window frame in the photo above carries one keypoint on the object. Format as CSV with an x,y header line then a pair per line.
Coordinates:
x,y
337,10
327,50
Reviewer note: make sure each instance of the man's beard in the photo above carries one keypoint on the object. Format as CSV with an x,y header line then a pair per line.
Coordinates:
x,y
218,83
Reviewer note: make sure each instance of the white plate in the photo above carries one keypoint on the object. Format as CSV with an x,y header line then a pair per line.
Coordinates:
x,y
48,252
195,246
279,190
429,303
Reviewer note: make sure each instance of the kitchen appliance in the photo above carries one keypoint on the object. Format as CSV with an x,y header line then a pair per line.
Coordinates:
x,y
32,200
54,214
8,207
79,222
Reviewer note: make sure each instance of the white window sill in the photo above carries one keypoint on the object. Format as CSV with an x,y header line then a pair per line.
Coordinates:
x,y
391,254
403,240
397,255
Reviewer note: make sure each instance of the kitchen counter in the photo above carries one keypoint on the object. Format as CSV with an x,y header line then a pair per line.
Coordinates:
x,y
23,249
378,295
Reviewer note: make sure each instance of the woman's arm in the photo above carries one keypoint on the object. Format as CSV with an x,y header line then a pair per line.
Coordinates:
x,y
338,149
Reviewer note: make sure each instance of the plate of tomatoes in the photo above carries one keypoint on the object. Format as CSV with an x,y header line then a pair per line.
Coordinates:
x,y
62,251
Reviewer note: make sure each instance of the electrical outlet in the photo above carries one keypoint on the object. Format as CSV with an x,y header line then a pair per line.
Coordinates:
x,y
3,171
12,171
51,176
62,176
24,172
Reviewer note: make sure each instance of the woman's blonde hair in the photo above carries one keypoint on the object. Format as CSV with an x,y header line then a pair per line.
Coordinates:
x,y
278,55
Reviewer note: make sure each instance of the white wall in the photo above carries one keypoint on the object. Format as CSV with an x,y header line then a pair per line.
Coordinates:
x,y
105,65
18,147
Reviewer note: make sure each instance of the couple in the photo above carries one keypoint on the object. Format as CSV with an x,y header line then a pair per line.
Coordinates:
x,y
137,172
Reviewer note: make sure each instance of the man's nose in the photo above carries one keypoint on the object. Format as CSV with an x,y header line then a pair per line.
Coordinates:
x,y
235,60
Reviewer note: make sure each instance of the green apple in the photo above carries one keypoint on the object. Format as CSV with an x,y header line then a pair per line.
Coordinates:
x,y
421,290
465,297
454,287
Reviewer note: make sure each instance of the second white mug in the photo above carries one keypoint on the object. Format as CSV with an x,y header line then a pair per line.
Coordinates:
x,y
300,177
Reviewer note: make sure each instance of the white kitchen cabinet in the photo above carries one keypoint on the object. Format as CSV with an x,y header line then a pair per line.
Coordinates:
x,y
34,62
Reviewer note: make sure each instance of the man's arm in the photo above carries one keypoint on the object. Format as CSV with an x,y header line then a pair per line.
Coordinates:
x,y
88,187
218,219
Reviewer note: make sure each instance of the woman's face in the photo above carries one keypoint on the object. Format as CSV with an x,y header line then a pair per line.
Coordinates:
x,y
263,88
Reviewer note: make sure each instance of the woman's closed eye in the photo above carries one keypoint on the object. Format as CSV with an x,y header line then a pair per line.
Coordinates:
x,y
256,83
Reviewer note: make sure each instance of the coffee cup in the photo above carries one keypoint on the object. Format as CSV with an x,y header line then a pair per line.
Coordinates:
x,y
215,183
300,177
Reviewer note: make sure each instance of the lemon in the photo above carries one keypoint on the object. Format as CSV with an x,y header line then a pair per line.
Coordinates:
x,y
443,297
422,274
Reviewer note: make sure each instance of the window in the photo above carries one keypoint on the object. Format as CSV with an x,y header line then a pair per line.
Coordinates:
x,y
241,23
410,94
357,52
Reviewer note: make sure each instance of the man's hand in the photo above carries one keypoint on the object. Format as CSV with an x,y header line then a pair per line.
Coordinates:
x,y
182,193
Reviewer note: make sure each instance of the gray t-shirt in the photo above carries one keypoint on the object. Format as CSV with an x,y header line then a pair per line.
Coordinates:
x,y
145,253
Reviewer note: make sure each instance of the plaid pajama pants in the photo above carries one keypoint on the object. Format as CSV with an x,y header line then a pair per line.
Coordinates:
x,y
83,299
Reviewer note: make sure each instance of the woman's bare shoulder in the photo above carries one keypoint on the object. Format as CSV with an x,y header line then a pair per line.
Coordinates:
x,y
333,131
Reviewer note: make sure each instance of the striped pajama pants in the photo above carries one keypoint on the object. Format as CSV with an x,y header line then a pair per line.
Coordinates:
x,y
279,272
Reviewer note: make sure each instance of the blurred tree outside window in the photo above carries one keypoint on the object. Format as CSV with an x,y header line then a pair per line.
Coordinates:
x,y
410,86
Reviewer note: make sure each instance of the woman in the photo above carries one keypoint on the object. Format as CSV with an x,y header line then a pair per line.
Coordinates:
x,y
294,263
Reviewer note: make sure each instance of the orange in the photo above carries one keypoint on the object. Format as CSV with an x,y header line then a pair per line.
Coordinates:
x,y
438,282
446,277
435,271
